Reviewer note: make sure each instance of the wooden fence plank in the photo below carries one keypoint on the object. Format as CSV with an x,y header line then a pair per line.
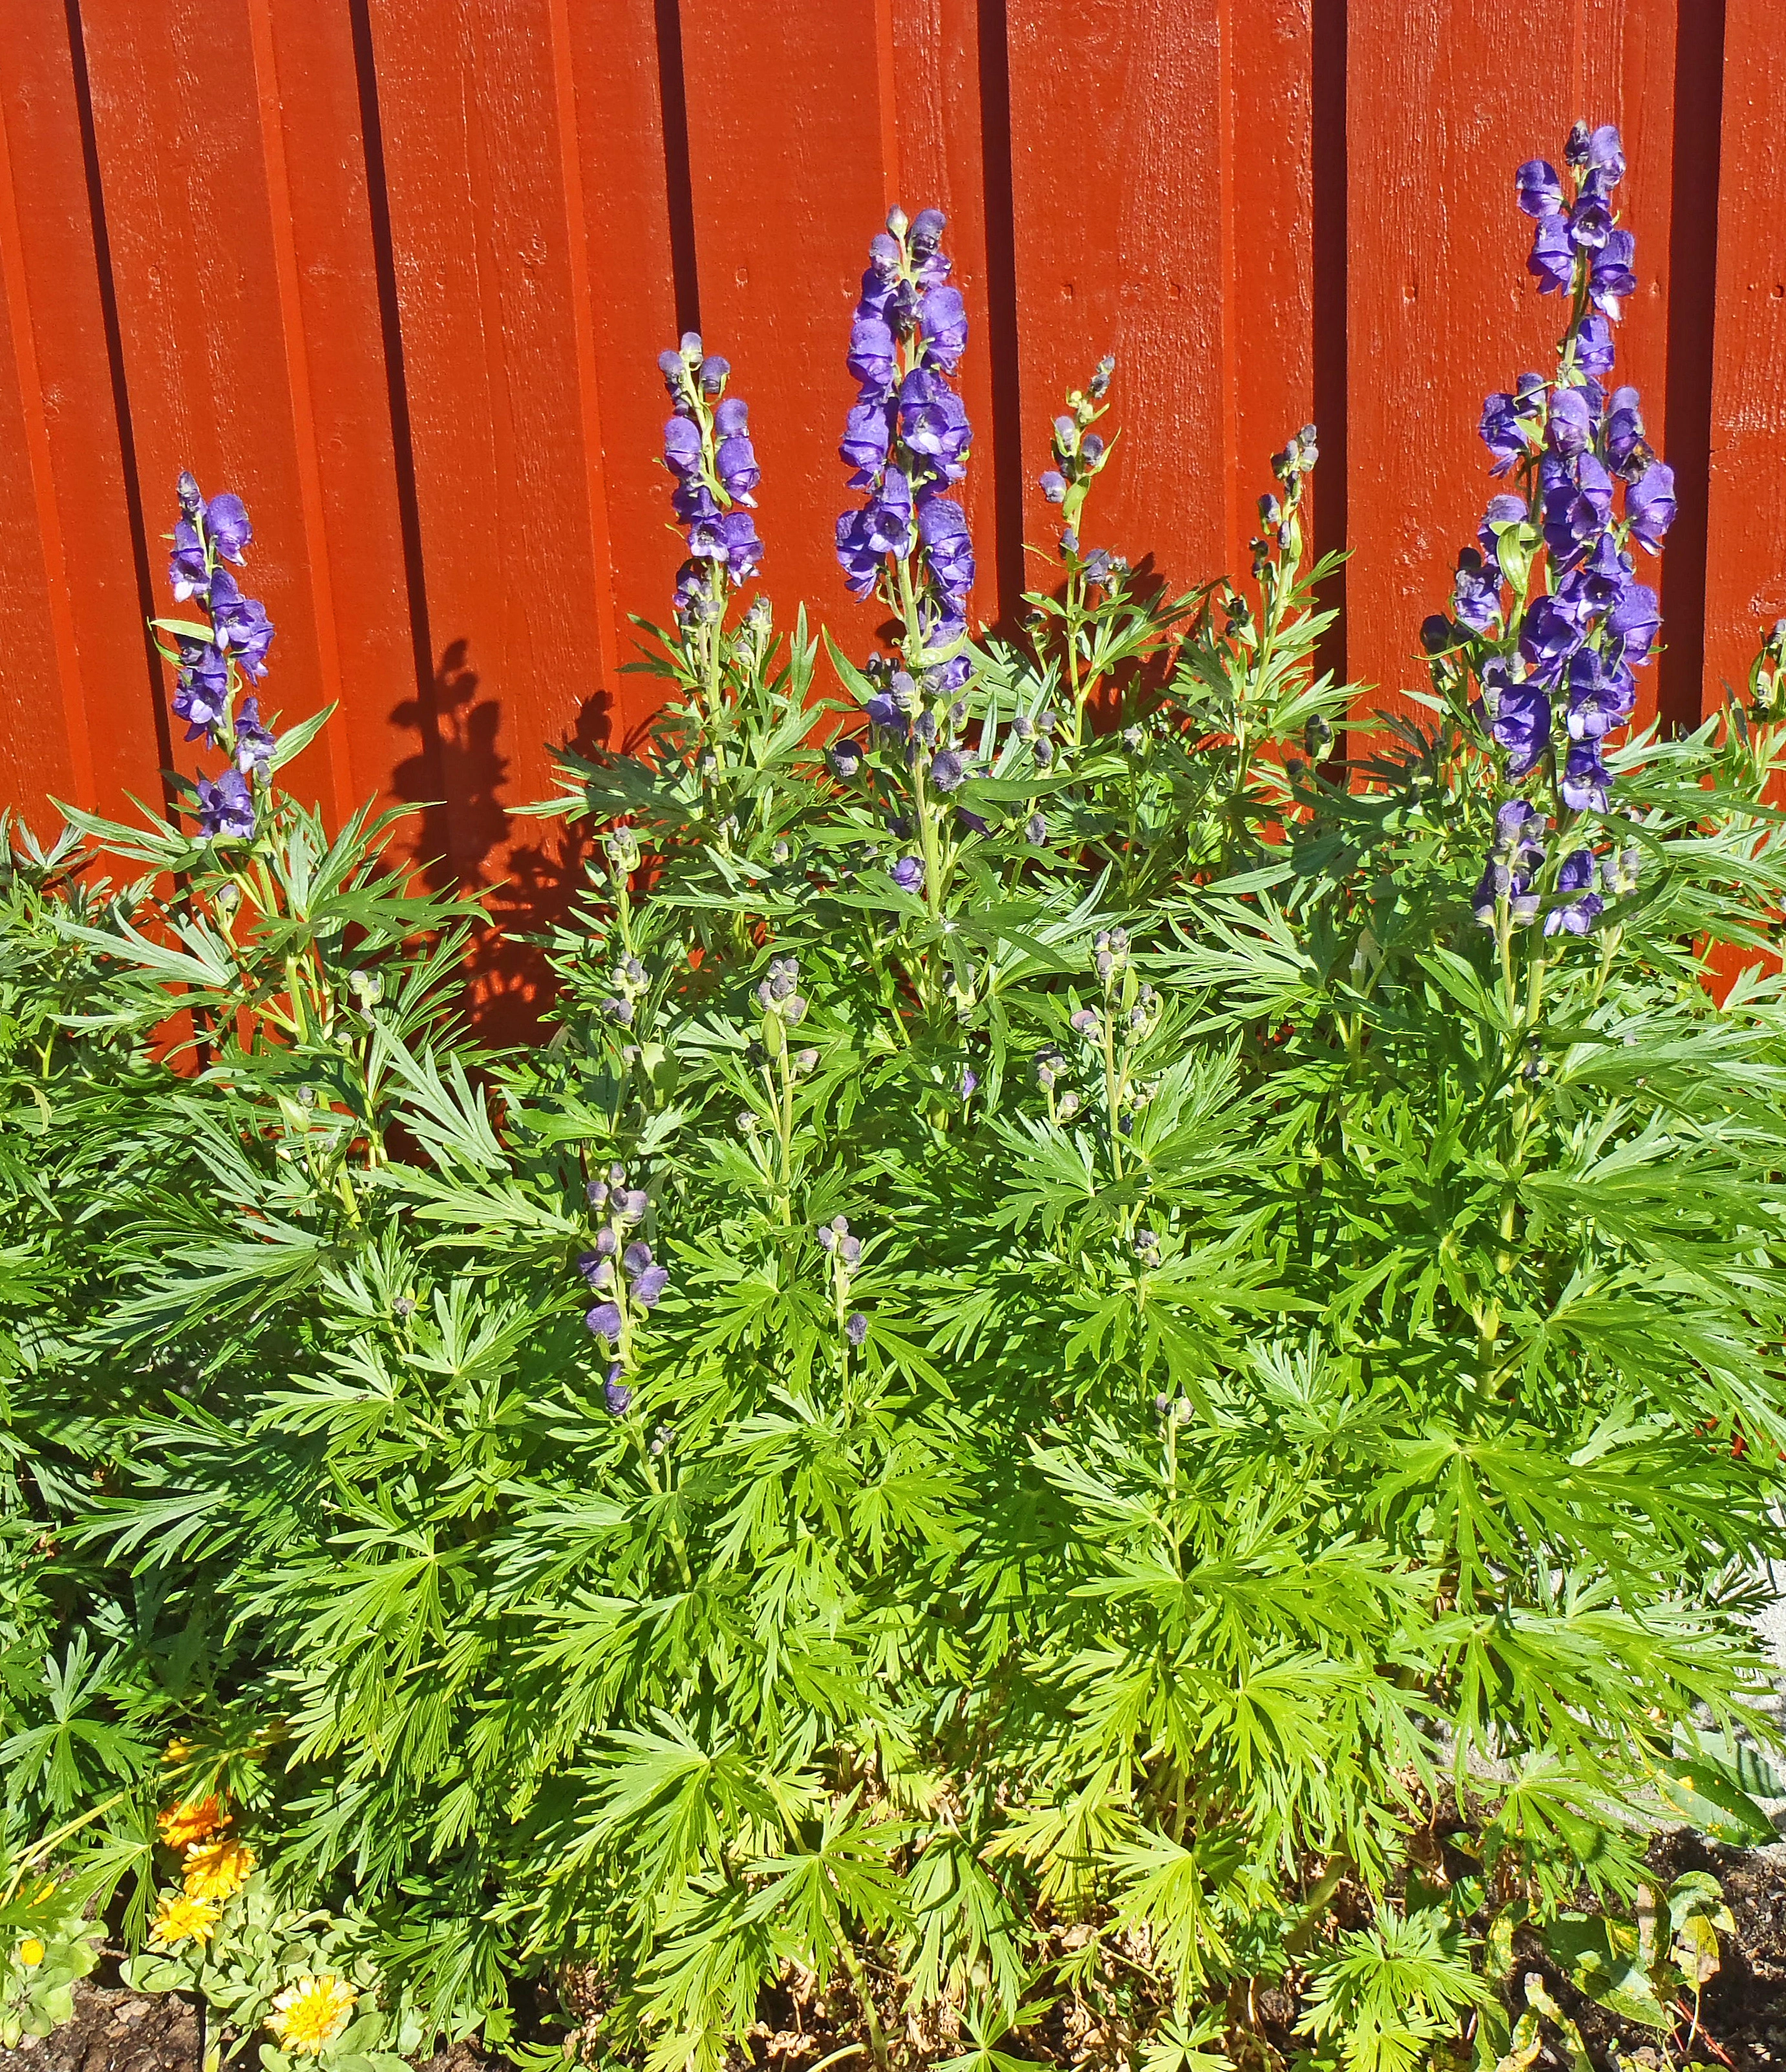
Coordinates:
x,y
196,265
64,477
1117,120
503,415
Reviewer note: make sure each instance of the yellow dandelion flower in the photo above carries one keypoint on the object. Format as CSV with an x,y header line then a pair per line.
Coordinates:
x,y
179,1919
182,1825
218,1869
310,2015
30,1953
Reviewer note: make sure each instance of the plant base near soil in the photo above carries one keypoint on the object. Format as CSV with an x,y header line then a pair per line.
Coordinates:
x,y
1743,2012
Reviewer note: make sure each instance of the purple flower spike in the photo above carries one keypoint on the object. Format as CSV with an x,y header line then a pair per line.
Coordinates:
x,y
1650,507
226,809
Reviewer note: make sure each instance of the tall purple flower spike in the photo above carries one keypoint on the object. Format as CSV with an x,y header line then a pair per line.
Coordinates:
x,y
209,666
907,438
708,449
1568,652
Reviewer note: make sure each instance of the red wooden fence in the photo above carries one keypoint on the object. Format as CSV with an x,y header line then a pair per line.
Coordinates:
x,y
397,270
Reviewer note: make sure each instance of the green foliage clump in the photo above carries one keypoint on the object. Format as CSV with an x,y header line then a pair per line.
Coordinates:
x,y
1063,1397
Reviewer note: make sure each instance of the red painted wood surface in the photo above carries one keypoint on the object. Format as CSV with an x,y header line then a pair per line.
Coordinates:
x,y
398,270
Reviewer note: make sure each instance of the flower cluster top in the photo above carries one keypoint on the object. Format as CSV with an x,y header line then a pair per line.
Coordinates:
x,y
211,661
1548,616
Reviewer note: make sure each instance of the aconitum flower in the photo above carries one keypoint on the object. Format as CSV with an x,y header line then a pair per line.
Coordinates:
x,y
1634,622
226,808
707,449
1553,257
1538,189
856,1329
1548,637
1571,426
201,696
254,742
1612,280
1624,426
943,526
1650,507
1509,419
604,1321
730,539
948,771
1594,348
1600,697
1476,596
240,623
615,1392
1586,779
908,873
943,320
1576,874
1521,724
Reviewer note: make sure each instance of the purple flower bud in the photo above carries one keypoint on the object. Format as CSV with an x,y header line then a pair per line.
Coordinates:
x,y
648,1289
948,771
845,758
1086,1022
1054,485
598,1193
631,1205
871,357
928,226
604,1321
255,744
616,1393
636,1258
856,1330
849,1249
1035,831
682,447
735,462
1521,724
618,1008
908,873
186,489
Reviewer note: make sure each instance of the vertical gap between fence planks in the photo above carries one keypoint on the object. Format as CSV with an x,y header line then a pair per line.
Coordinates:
x,y
1001,312
678,171
1683,690
1331,319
